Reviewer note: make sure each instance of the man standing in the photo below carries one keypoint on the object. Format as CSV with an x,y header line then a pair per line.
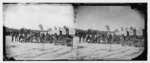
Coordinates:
x,y
13,36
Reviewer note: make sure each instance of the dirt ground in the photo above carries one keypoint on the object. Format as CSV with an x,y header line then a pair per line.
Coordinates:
x,y
83,51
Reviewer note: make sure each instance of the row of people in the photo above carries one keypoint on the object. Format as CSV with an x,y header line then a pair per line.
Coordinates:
x,y
106,38
40,37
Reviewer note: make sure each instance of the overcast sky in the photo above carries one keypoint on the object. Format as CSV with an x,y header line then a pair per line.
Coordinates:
x,y
96,17
51,15
30,16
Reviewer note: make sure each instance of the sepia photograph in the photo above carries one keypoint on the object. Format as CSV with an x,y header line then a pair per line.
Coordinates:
x,y
74,31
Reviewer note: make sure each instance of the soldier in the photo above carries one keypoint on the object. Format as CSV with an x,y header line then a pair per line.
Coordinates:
x,y
25,36
127,33
109,38
67,31
79,34
88,38
21,37
134,32
37,36
13,36
60,32
16,36
84,36
121,40
42,37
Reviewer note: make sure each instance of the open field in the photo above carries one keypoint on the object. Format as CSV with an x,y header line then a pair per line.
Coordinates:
x,y
83,51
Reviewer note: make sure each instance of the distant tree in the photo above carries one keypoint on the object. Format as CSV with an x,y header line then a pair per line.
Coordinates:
x,y
89,31
41,26
22,30
116,30
50,29
107,27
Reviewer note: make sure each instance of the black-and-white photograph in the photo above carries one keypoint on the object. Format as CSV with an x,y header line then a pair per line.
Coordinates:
x,y
74,31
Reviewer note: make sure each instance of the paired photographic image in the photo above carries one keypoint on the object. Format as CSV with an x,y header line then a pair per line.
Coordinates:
x,y
74,31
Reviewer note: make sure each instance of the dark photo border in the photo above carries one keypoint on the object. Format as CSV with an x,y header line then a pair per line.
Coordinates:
x,y
141,7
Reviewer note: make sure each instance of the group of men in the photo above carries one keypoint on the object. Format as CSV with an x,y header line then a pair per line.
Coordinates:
x,y
110,37
40,37
84,36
